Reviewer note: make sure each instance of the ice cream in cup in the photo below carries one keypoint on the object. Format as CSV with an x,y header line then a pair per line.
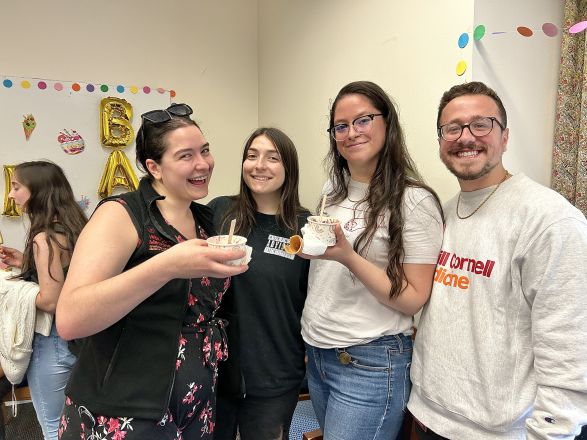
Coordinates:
x,y
237,242
323,228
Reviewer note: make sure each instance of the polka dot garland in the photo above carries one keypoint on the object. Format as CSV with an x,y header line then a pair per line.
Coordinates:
x,y
77,87
549,29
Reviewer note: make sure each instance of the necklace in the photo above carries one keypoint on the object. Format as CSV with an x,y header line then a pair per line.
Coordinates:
x,y
507,174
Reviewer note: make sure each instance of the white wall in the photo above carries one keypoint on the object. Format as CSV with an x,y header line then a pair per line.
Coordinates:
x,y
309,49
244,63
524,72
206,51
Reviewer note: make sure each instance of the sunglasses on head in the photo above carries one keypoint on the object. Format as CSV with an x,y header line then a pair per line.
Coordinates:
x,y
159,116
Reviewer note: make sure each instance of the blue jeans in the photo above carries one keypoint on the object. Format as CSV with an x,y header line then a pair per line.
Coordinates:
x,y
361,392
47,375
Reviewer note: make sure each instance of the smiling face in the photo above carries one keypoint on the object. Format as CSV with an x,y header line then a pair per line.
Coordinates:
x,y
475,160
263,170
361,150
185,168
18,192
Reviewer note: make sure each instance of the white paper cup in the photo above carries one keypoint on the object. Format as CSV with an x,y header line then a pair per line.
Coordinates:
x,y
238,243
323,228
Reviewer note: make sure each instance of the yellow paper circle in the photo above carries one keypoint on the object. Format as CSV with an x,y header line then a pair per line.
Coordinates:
x,y
134,89
25,84
461,68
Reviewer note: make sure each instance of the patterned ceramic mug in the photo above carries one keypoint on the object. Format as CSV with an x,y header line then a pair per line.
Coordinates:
x,y
238,242
323,228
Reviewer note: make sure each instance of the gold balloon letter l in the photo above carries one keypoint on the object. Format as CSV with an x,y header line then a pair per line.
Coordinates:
x,y
10,208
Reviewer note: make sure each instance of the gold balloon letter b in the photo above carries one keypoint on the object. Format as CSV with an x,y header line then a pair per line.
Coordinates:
x,y
115,125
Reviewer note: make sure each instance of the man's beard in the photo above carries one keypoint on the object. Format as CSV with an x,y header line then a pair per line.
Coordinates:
x,y
468,176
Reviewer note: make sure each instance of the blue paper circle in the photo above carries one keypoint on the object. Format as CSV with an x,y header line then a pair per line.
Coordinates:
x,y
120,89
463,40
7,83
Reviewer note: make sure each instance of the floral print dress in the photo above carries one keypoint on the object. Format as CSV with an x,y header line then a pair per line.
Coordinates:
x,y
191,410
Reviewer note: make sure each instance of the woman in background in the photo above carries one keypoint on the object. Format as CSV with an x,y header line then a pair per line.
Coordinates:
x,y
363,291
43,193
143,290
260,382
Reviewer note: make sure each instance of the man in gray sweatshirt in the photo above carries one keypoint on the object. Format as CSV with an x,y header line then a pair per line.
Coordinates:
x,y
501,350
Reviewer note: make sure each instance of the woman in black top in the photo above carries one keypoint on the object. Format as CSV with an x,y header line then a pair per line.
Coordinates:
x,y
259,384
143,289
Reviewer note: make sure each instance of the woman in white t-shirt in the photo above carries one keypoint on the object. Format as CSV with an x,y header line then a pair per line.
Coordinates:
x,y
363,292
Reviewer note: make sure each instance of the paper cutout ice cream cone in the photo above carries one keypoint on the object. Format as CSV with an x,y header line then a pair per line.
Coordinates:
x,y
28,124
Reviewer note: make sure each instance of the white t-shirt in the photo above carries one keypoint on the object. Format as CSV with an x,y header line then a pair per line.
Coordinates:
x,y
339,310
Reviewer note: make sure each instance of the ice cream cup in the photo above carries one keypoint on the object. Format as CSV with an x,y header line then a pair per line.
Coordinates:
x,y
238,242
323,228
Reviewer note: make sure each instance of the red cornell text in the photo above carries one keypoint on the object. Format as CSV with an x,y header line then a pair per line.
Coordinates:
x,y
443,276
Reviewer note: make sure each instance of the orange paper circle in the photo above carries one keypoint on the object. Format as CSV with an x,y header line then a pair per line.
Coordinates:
x,y
172,93
524,31
75,87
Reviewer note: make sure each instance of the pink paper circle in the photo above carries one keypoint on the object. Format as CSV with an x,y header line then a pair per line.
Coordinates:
x,y
58,87
550,29
578,27
42,85
147,89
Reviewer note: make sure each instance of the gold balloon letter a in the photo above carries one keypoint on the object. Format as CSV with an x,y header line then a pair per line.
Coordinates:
x,y
116,132
117,172
10,208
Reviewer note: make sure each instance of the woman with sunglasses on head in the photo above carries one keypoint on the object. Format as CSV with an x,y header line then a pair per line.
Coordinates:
x,y
260,382
364,290
42,191
143,290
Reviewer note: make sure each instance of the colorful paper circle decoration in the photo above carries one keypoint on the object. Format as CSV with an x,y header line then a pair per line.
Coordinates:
x,y
578,27
461,68
479,32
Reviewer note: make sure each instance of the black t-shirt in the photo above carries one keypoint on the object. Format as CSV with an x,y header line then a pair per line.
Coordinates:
x,y
264,306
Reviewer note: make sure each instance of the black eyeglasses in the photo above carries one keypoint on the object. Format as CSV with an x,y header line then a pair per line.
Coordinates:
x,y
362,124
159,116
478,127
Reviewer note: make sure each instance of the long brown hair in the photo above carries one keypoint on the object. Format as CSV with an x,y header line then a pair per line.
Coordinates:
x,y
51,208
244,206
394,172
